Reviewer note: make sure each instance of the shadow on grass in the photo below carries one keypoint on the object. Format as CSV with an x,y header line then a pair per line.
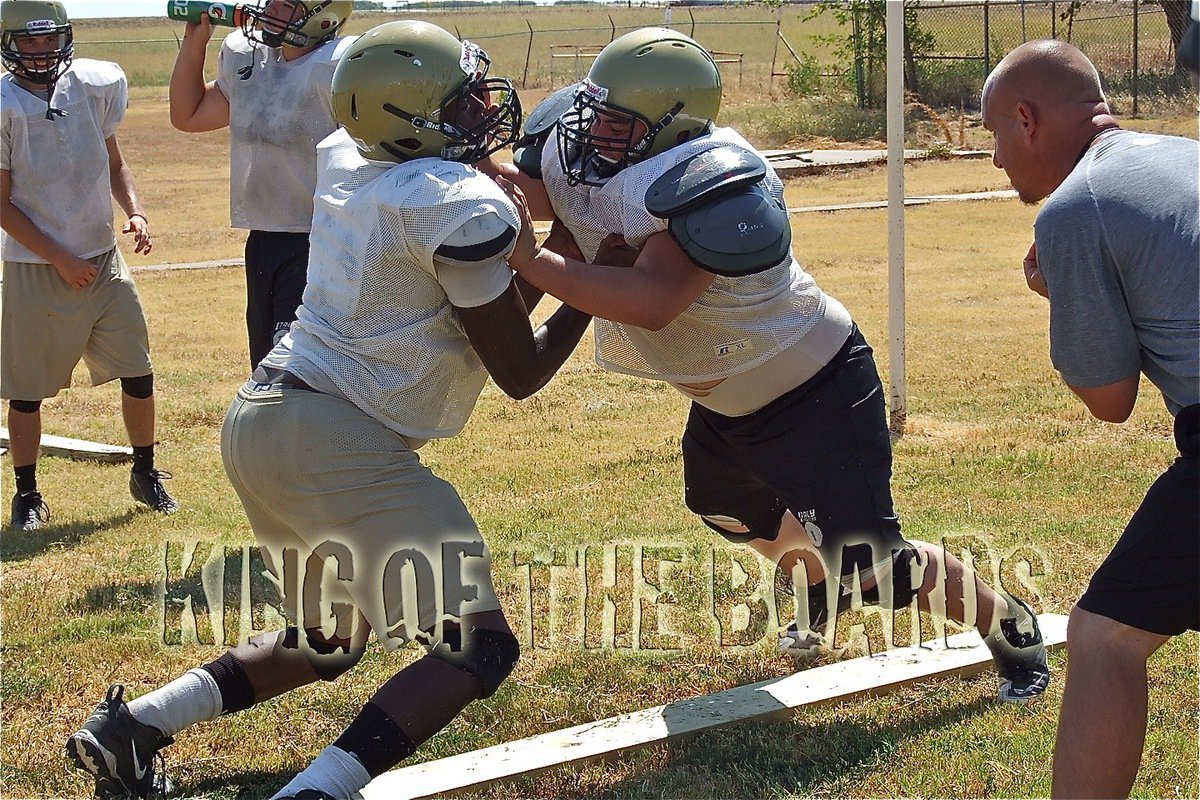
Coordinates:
x,y
773,758
129,596
23,545
191,781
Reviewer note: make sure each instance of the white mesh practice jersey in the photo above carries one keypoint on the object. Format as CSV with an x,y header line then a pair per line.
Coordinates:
x,y
375,321
59,166
735,325
278,112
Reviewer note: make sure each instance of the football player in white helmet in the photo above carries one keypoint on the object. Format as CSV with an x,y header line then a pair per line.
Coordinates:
x,y
272,91
693,281
410,306
67,291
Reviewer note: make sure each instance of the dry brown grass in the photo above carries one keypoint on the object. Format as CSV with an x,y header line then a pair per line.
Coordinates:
x,y
996,447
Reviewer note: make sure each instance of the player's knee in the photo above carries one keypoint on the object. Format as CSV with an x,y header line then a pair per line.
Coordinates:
x,y
25,406
139,388
1096,637
488,656
329,658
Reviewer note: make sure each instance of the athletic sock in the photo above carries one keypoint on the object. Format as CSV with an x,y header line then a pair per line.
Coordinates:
x,y
334,772
143,458
26,478
191,698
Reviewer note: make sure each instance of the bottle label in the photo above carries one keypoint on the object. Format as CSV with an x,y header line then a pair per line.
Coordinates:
x,y
225,14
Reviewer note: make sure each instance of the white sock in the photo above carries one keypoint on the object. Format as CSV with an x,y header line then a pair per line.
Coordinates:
x,y
191,698
334,771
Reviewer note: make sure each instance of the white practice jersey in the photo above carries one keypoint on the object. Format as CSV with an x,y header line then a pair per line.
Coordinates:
x,y
278,112
734,326
375,321
59,166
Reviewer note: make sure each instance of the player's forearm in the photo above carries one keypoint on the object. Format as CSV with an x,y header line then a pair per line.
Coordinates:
x,y
617,294
124,191
556,339
16,224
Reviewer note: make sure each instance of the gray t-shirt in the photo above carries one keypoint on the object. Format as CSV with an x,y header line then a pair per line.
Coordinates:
x,y
1118,244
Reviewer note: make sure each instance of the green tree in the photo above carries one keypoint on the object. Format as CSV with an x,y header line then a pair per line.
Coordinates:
x,y
862,48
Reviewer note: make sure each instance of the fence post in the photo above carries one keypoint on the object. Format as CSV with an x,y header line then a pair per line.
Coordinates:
x,y
1054,20
1135,57
528,50
775,50
1024,37
987,38
859,79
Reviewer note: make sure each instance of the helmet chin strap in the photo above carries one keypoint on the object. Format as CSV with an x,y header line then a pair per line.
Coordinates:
x,y
51,111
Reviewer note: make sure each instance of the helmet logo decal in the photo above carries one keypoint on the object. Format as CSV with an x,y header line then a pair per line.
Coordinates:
x,y
38,26
597,93
472,60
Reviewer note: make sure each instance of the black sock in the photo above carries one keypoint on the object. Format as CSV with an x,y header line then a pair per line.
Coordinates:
x,y
143,458
375,740
26,478
236,692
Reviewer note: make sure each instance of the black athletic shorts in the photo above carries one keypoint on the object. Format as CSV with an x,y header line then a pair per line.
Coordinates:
x,y
821,451
276,274
1151,579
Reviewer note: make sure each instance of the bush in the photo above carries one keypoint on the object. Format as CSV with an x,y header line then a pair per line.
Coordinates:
x,y
950,84
836,117
804,78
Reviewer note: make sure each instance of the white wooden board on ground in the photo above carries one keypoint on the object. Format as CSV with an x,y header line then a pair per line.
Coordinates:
x,y
218,264
960,655
921,200
77,448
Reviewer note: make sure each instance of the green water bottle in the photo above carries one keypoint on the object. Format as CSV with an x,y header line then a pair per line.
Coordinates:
x,y
226,14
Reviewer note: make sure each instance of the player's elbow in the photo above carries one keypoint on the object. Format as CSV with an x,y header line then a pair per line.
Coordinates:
x,y
181,122
1107,413
517,382
520,388
1111,403
655,316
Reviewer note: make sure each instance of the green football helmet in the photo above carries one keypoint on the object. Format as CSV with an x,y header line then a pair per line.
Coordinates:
x,y
648,91
409,89
294,22
29,18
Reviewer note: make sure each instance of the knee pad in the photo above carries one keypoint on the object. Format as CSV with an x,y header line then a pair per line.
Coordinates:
x,y
139,388
903,591
488,656
329,659
739,532
25,406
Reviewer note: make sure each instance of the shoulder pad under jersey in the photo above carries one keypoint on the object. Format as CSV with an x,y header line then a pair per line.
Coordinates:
x,y
539,124
721,213
479,240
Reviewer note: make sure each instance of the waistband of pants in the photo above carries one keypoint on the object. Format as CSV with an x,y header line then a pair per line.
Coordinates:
x,y
270,379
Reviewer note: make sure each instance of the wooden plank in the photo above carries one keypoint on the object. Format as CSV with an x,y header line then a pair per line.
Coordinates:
x,y
960,655
998,194
218,264
77,448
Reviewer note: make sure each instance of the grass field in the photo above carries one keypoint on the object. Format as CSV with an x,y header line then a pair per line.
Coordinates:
x,y
998,458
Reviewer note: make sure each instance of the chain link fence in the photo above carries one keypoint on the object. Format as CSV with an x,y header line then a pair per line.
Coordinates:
x,y
952,46
803,48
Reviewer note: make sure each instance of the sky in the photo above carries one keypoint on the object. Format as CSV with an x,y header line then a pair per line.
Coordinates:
x,y
77,9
